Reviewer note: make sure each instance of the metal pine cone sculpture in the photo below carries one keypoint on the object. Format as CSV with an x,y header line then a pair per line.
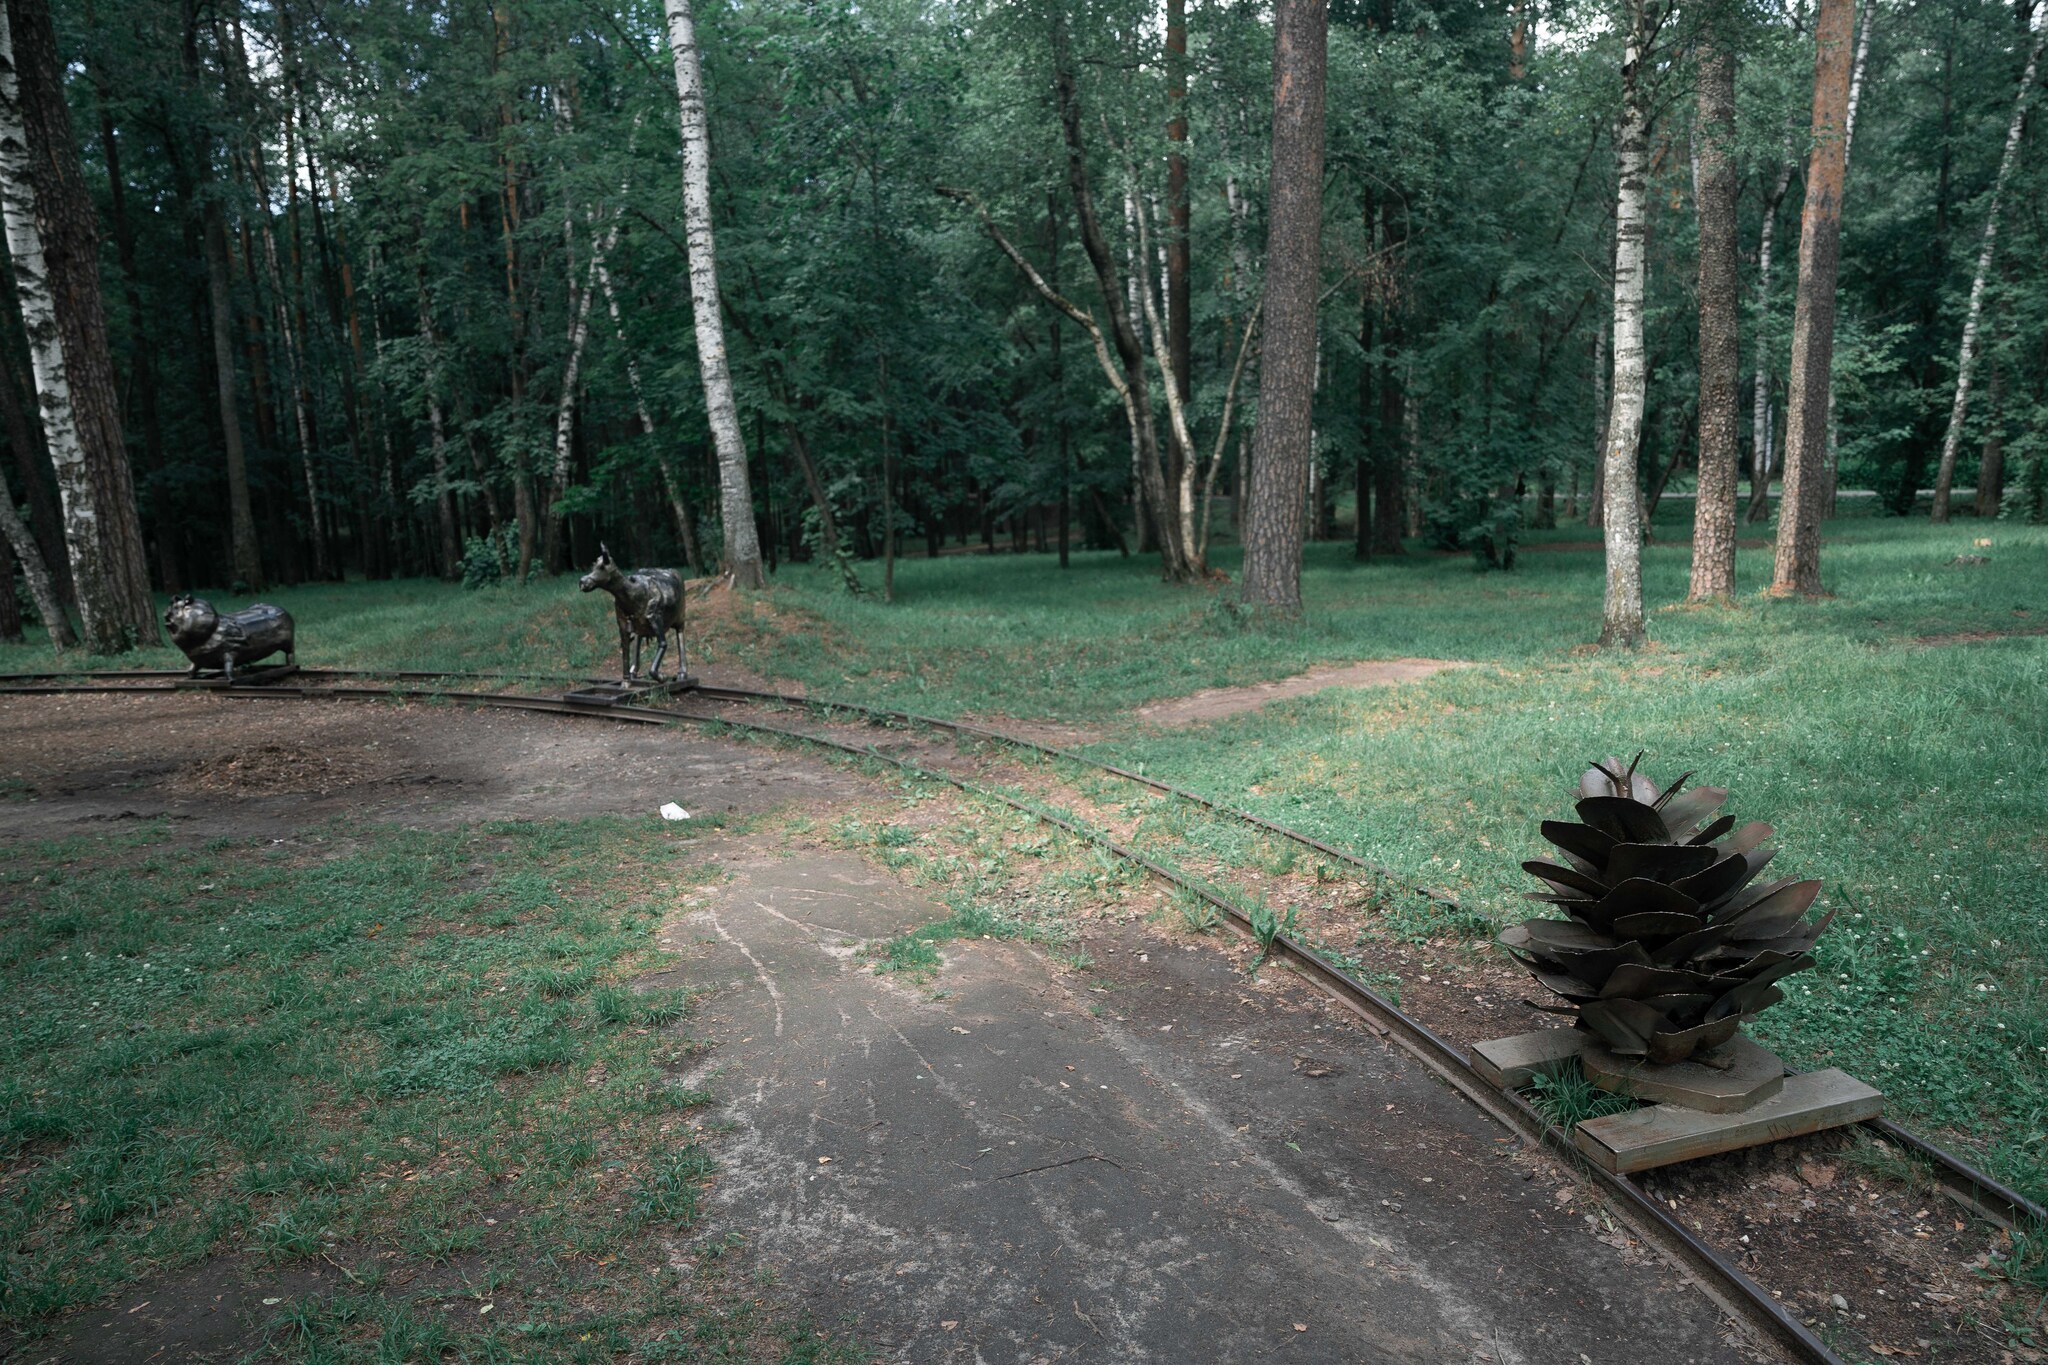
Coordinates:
x,y
1668,948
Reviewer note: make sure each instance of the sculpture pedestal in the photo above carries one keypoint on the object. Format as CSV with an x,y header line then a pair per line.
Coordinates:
x,y
1735,1076
1683,1126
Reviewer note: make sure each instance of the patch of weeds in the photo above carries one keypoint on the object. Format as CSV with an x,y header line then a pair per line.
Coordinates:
x,y
1267,928
559,983
916,952
667,1191
1565,1097
614,1005
297,1230
2023,1260
1198,914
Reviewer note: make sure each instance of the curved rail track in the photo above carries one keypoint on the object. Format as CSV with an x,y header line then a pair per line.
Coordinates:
x,y
1647,1217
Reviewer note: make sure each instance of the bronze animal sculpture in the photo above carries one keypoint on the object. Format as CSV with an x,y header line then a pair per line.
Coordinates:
x,y
649,605
211,640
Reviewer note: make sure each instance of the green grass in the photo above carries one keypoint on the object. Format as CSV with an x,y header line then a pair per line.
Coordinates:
x,y
1565,1097
1911,779
358,1049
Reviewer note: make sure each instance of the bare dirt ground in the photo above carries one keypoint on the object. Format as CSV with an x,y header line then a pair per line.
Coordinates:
x,y
70,764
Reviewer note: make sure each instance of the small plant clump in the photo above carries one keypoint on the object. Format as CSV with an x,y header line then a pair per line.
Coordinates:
x,y
1669,945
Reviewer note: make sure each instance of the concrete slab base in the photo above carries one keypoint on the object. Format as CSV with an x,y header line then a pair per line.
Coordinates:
x,y
1663,1134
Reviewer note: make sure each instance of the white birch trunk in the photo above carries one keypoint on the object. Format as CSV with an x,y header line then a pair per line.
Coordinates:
x,y
1760,406
1966,361
1176,412
1848,140
736,497
98,613
572,370
1622,623
677,506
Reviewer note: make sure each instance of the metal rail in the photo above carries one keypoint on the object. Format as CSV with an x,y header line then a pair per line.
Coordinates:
x,y
1720,1279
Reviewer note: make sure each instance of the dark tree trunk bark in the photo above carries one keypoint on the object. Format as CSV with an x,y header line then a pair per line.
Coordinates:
x,y
220,297
70,234
46,517
1797,565
1991,462
1713,528
1287,369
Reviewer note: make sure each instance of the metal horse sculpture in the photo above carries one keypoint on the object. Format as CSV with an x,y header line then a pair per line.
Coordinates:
x,y
649,605
211,640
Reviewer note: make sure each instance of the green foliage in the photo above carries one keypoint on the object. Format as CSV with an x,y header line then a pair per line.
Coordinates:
x,y
1565,1097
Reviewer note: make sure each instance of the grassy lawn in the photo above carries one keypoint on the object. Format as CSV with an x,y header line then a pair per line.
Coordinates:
x,y
1912,778
410,1060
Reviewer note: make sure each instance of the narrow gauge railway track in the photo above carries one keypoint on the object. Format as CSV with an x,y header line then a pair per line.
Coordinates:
x,y
1721,1279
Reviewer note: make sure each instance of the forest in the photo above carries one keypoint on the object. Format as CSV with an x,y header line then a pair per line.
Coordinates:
x,y
309,289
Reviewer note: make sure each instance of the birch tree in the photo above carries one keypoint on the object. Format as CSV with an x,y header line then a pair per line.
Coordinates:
x,y
572,371
1760,455
1621,511
736,497
98,610
1797,564
670,487
1966,358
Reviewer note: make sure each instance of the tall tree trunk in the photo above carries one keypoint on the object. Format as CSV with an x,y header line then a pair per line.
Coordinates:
x,y
736,497
248,553
1761,462
66,234
143,361
45,512
1991,460
1621,519
1287,368
572,370
1714,191
1059,379
1966,359
1596,509
1179,312
98,605
41,590
678,507
1832,474
437,429
1797,566
1136,382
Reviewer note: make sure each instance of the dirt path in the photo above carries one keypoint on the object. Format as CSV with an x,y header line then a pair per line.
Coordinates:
x,y
72,764
1144,1162
1220,702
